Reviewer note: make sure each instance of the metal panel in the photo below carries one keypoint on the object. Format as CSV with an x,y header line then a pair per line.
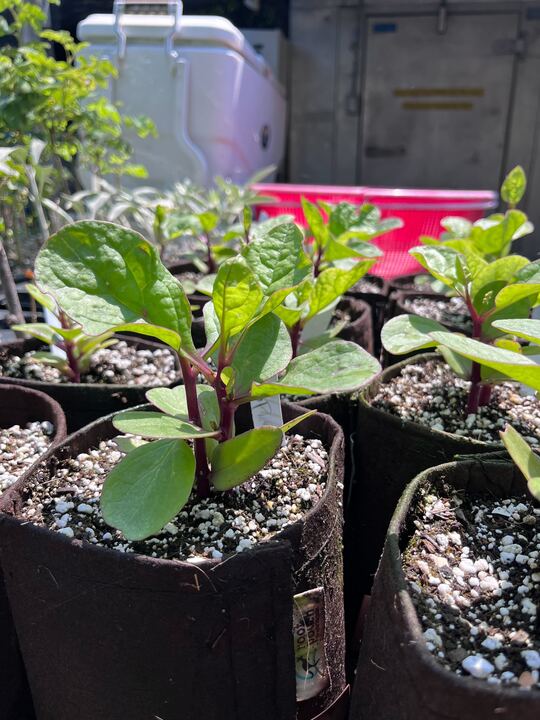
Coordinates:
x,y
314,36
436,104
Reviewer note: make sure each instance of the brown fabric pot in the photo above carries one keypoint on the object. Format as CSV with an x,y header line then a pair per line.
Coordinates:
x,y
84,402
397,677
18,406
377,303
117,636
390,452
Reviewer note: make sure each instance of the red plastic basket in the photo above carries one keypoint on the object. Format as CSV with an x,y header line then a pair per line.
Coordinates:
x,y
420,210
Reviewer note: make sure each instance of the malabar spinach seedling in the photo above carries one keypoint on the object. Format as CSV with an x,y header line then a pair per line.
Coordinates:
x,y
77,347
109,278
339,254
507,287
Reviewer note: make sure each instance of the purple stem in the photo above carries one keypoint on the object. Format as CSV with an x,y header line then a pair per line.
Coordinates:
x,y
202,472
295,333
73,363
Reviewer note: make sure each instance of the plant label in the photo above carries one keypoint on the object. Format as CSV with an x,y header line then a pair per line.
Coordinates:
x,y
308,630
267,412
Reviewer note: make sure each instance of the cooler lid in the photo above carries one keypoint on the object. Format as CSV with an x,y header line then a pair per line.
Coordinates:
x,y
194,30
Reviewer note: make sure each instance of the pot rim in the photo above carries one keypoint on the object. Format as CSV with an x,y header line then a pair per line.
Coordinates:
x,y
8,512
366,395
412,625
41,385
60,429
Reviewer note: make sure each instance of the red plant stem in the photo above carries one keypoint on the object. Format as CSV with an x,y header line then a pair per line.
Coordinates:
x,y
209,257
295,333
473,401
226,407
485,394
73,363
317,263
202,472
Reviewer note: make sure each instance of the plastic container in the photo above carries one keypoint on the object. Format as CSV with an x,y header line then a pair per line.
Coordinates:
x,y
420,210
196,78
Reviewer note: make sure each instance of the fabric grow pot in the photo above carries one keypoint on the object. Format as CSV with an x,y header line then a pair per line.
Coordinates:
x,y
111,635
18,406
397,677
84,402
390,452
377,301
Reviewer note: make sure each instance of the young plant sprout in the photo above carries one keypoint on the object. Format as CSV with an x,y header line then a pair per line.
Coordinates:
x,y
109,278
77,347
493,290
339,255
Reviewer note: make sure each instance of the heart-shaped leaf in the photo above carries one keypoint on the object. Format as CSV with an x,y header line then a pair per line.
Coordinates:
x,y
236,296
104,275
148,487
408,333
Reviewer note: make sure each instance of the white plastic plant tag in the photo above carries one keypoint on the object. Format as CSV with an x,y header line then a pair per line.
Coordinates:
x,y
50,319
525,389
308,631
267,412
320,323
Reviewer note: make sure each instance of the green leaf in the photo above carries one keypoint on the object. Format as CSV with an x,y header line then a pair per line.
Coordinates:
x,y
338,366
514,186
457,227
525,328
524,457
40,331
173,401
332,283
492,278
297,420
211,323
150,424
278,260
235,461
459,364
148,487
262,352
439,261
45,300
408,333
236,296
315,222
209,221
104,275
169,337
494,239
515,366
127,444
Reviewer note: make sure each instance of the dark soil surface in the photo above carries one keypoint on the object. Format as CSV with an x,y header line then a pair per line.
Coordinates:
x,y
290,485
431,394
121,364
452,311
474,575
20,447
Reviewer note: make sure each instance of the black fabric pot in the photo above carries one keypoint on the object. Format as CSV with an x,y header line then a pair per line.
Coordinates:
x,y
122,636
83,402
377,303
18,406
406,284
390,452
360,329
397,677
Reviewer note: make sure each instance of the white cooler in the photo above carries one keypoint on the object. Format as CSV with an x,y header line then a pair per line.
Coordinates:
x,y
216,105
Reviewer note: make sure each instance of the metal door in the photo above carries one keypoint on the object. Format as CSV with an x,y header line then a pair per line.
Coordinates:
x,y
436,104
